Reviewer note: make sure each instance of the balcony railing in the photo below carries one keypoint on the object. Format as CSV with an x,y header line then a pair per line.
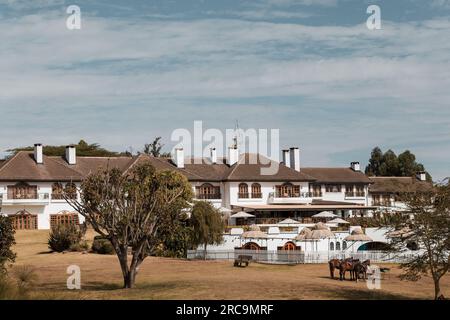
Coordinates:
x,y
243,195
291,195
23,196
59,196
316,194
11,198
356,194
256,195
382,203
209,196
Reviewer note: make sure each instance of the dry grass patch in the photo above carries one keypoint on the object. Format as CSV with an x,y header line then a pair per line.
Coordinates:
x,y
162,278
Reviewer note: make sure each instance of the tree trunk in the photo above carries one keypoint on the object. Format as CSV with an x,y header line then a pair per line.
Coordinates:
x,y
204,252
129,279
437,289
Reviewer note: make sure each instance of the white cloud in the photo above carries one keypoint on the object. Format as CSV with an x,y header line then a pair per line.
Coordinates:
x,y
348,76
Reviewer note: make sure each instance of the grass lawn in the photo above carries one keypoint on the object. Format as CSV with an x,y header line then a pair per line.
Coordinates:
x,y
161,278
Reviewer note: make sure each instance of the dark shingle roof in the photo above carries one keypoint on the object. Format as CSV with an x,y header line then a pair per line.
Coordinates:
x,y
22,167
398,184
250,167
336,175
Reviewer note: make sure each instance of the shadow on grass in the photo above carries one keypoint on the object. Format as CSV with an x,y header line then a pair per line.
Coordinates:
x,y
46,252
354,294
102,286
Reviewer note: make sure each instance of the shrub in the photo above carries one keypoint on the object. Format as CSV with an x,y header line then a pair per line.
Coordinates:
x,y
6,242
62,237
26,278
19,285
102,245
79,247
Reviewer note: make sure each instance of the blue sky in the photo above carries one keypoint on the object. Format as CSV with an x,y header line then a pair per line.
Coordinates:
x,y
139,69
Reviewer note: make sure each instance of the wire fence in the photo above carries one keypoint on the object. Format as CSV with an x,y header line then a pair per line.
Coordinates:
x,y
300,257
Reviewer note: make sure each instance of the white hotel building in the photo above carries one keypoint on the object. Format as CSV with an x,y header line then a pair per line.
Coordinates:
x,y
31,185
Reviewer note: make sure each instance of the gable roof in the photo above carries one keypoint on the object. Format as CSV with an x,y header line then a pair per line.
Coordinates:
x,y
86,165
337,175
398,184
250,166
23,167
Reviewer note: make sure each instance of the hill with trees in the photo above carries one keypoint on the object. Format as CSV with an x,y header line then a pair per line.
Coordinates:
x,y
84,149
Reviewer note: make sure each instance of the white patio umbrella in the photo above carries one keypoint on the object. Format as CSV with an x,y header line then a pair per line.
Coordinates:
x,y
242,214
339,221
225,210
325,214
288,221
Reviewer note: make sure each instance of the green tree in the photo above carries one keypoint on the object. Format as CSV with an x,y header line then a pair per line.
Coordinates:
x,y
376,158
6,242
154,148
388,164
428,231
207,225
130,209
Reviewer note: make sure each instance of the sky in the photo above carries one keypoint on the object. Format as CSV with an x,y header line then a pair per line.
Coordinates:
x,y
310,68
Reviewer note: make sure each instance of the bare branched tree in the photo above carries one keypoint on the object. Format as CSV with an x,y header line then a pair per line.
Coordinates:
x,y
427,232
130,208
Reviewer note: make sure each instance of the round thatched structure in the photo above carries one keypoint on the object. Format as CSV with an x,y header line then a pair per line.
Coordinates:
x,y
304,234
254,232
318,231
403,233
358,235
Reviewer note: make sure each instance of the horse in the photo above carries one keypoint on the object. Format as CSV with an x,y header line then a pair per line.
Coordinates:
x,y
347,265
334,264
361,268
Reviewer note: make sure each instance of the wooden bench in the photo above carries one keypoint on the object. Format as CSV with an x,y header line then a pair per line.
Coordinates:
x,y
242,261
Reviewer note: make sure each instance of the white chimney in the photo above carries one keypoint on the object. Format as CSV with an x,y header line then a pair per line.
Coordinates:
x,y
38,154
213,155
71,155
355,166
178,157
295,159
233,155
421,175
286,158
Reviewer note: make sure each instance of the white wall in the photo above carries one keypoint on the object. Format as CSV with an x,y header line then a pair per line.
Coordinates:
x,y
43,209
266,189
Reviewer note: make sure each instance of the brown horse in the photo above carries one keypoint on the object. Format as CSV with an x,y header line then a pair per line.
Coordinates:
x,y
347,265
361,268
334,264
